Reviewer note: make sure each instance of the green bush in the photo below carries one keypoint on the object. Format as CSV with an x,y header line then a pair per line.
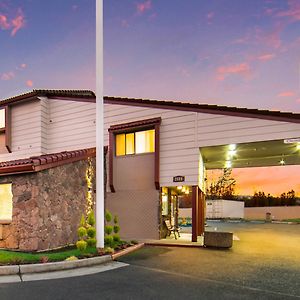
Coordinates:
x,y
81,245
108,216
108,240
116,238
134,242
91,242
81,232
116,220
116,228
82,221
91,232
91,218
109,250
108,229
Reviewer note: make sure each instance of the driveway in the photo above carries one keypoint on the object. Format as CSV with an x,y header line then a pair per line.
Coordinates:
x,y
263,264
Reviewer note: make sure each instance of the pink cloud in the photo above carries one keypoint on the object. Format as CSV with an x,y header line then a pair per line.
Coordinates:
x,y
18,22
7,76
293,12
23,66
239,69
29,83
14,25
143,7
4,25
298,100
286,94
266,57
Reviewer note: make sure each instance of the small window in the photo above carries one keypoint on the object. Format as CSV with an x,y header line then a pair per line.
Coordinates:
x,y
5,202
135,142
2,118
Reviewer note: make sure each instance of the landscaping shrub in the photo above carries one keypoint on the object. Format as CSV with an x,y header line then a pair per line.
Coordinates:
x,y
109,241
116,228
108,229
91,232
108,216
81,245
91,242
81,232
109,250
91,218
116,238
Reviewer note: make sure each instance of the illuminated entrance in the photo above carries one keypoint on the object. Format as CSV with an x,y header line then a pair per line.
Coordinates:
x,y
172,201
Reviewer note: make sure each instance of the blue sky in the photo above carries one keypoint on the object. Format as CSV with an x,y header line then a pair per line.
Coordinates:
x,y
227,52
46,44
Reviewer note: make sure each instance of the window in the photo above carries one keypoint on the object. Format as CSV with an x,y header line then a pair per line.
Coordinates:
x,y
135,142
5,202
2,118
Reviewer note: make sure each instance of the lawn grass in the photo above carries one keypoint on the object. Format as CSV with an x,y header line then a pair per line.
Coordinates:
x,y
297,220
13,257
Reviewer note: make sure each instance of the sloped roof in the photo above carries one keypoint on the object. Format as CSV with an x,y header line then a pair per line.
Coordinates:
x,y
86,95
74,94
47,161
207,108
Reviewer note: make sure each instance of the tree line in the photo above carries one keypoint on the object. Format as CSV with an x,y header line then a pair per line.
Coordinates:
x,y
224,188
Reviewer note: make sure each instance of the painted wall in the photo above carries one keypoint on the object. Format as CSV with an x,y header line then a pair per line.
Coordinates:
x,y
183,132
69,125
178,151
49,126
277,212
26,132
136,201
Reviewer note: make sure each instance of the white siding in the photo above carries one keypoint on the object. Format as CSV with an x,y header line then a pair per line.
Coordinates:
x,y
71,125
183,132
220,130
26,132
178,151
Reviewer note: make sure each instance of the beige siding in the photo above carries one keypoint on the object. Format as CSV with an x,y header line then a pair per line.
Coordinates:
x,y
219,130
70,125
26,132
182,133
178,154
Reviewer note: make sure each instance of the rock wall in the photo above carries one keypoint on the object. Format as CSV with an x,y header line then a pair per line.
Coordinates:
x,y
47,207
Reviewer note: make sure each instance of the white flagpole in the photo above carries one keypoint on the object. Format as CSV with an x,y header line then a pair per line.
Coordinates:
x,y
99,127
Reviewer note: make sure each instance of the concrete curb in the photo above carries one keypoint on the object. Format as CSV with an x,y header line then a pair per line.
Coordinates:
x,y
9,270
54,266
127,250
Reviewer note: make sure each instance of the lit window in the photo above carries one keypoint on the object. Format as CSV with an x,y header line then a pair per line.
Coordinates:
x,y
2,118
135,142
120,144
129,143
144,141
5,202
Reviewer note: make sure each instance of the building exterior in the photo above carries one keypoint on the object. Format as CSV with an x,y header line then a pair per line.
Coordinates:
x,y
47,141
158,152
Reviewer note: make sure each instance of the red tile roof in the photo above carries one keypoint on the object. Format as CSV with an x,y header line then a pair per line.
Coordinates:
x,y
46,161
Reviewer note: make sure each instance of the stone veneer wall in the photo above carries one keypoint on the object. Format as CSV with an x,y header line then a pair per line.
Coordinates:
x,y
47,207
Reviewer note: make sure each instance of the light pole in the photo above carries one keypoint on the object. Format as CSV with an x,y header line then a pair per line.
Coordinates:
x,y
99,127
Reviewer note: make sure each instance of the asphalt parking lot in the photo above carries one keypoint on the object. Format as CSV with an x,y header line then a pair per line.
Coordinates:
x,y
263,264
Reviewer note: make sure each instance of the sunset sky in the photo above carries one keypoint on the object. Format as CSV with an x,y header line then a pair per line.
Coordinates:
x,y
226,52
